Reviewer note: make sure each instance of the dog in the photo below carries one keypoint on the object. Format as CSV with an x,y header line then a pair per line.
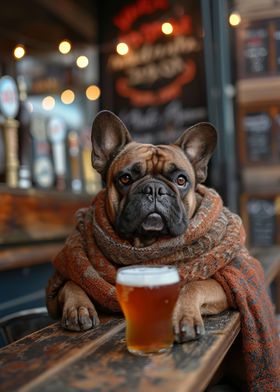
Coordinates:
x,y
150,194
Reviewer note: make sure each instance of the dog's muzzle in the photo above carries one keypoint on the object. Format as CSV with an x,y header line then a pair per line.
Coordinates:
x,y
152,209
154,192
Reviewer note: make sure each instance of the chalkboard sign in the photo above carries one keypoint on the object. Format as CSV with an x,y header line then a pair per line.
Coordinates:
x,y
158,88
277,123
257,127
262,219
256,50
277,45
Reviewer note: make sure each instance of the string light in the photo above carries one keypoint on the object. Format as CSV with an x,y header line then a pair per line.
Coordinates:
x,y
167,28
67,97
93,92
234,19
64,47
19,51
48,103
82,61
122,48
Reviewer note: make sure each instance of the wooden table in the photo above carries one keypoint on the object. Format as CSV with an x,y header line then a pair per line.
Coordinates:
x,y
53,359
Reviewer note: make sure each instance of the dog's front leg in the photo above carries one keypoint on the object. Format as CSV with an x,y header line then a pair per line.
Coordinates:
x,y
78,312
202,297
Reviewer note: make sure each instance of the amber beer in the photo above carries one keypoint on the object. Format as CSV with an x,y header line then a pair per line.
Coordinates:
x,y
147,296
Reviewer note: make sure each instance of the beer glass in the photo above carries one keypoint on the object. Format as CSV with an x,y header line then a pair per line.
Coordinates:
x,y
147,295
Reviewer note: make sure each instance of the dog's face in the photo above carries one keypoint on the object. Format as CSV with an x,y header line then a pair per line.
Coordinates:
x,y
150,189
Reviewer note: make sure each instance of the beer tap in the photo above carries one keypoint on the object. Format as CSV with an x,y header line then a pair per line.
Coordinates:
x,y
25,153
74,153
9,106
43,173
56,130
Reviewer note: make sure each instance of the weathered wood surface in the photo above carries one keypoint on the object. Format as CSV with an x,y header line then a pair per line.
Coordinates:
x,y
32,215
97,360
45,351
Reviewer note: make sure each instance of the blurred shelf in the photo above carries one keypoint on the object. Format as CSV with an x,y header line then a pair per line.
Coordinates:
x,y
28,256
264,179
37,192
32,215
260,14
259,90
257,9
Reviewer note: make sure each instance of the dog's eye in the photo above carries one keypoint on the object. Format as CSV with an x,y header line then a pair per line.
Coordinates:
x,y
181,180
125,179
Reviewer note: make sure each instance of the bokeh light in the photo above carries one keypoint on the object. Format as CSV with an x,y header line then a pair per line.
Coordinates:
x,y
167,28
82,61
19,51
48,103
122,48
67,97
64,47
234,19
93,92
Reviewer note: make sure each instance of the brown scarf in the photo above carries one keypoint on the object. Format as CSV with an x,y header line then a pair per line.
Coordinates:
x,y
212,246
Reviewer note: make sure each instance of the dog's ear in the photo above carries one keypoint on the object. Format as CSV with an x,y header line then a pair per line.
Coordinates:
x,y
198,143
109,135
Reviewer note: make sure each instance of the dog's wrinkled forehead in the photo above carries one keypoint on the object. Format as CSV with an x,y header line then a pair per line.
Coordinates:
x,y
149,159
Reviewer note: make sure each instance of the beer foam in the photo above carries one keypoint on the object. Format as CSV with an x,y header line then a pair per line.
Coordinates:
x,y
147,276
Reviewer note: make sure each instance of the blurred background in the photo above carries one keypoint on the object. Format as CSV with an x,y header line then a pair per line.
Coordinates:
x,y
161,65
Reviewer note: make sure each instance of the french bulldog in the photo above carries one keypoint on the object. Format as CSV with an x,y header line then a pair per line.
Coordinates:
x,y
150,194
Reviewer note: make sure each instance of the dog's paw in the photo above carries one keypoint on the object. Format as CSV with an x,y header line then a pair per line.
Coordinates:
x,y
79,318
187,321
78,312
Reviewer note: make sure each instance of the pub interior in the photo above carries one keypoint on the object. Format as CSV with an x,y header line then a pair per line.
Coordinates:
x,y
161,66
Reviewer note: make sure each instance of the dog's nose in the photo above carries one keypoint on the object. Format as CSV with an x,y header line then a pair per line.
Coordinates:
x,y
154,190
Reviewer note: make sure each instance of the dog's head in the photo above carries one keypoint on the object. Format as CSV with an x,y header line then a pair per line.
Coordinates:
x,y
150,189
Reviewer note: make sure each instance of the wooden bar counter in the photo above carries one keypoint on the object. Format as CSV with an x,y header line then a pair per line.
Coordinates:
x,y
53,359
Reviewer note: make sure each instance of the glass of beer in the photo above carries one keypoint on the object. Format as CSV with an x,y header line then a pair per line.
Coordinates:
x,y
147,295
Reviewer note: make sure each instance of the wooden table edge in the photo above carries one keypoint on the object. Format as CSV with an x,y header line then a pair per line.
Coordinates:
x,y
215,356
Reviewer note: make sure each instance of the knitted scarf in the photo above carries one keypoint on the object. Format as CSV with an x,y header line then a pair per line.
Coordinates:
x,y
212,246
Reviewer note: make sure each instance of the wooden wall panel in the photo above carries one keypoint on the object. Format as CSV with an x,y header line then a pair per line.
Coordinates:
x,y
27,216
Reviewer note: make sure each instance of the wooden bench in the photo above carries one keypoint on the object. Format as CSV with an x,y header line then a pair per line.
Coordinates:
x,y
53,359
